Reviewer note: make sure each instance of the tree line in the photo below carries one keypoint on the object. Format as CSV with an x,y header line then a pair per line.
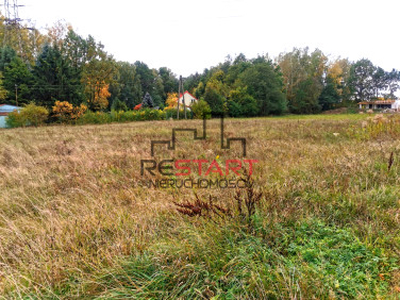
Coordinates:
x,y
61,65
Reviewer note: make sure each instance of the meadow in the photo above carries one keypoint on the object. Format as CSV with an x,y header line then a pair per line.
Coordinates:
x,y
75,222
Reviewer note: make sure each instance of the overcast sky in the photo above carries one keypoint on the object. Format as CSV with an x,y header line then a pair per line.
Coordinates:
x,y
188,36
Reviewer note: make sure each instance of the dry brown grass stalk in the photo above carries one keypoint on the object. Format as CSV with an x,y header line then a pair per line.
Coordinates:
x,y
70,203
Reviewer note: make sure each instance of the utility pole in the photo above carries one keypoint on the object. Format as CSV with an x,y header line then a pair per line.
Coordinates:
x,y
179,96
12,23
16,94
183,98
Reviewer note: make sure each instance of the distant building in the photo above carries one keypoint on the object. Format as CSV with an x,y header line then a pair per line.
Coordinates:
x,y
5,109
189,99
380,104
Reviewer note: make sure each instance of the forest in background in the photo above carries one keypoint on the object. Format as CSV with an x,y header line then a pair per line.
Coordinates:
x,y
318,219
61,65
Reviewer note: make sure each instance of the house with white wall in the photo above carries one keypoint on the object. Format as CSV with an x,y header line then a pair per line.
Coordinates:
x,y
380,104
188,98
5,109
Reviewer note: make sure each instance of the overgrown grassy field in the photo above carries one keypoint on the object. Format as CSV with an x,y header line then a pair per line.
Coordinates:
x,y
75,223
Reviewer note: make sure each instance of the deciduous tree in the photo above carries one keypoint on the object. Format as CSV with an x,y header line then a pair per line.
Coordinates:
x,y
172,100
303,78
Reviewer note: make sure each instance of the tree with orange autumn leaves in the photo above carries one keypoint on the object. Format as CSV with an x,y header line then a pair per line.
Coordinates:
x,y
62,65
65,111
97,95
99,71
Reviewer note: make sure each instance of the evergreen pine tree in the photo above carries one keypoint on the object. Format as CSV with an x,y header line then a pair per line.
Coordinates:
x,y
56,79
147,101
18,78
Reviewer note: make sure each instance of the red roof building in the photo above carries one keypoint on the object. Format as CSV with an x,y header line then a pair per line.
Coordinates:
x,y
187,98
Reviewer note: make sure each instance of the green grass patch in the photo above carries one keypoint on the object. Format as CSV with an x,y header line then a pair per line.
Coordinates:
x,y
275,261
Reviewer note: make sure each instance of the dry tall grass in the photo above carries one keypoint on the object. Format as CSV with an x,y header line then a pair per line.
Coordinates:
x,y
71,206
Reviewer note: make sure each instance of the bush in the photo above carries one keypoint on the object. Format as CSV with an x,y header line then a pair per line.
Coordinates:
x,y
30,115
201,109
121,116
128,116
170,113
66,112
148,114
118,105
116,116
15,119
95,118
153,114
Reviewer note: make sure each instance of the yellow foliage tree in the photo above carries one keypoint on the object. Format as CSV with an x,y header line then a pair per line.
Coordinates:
x,y
172,100
339,72
57,33
99,96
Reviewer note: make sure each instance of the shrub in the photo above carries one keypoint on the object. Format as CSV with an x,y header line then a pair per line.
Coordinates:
x,y
65,112
116,116
30,115
148,114
95,118
172,112
201,109
15,119
128,116
153,114
119,105
34,114
121,116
